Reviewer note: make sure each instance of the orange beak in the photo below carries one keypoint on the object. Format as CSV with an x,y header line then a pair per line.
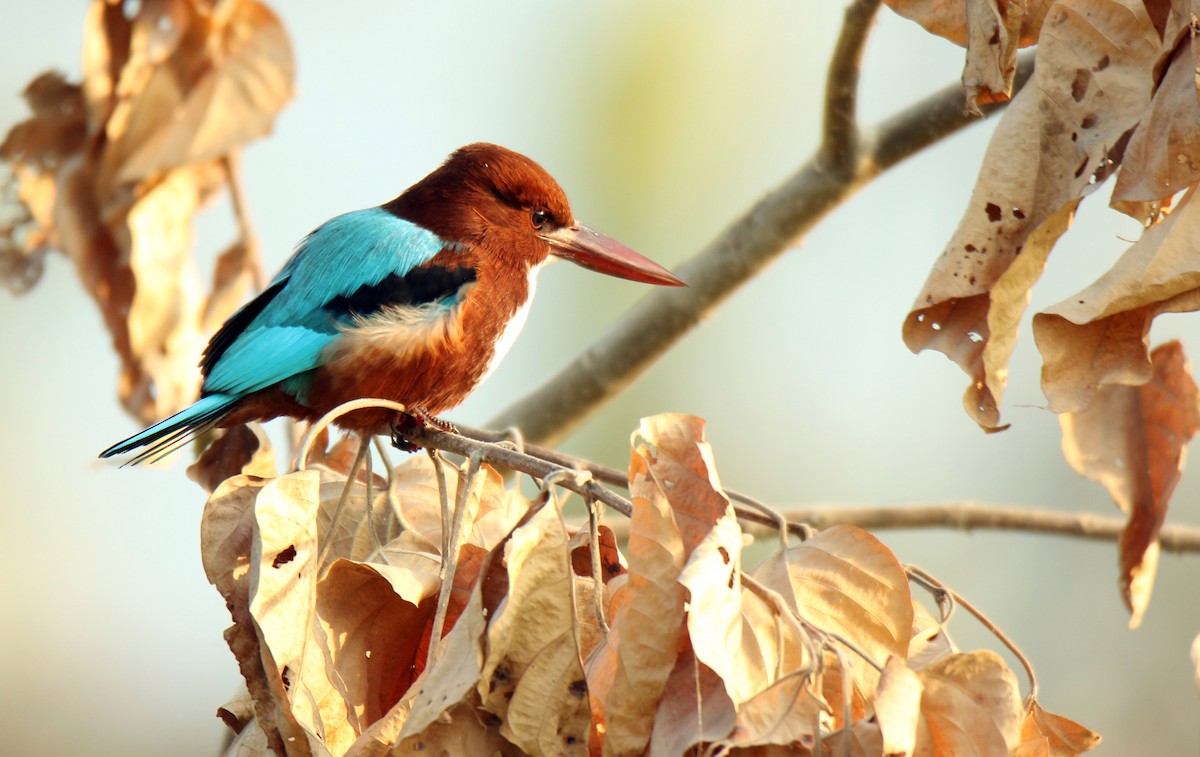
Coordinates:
x,y
589,248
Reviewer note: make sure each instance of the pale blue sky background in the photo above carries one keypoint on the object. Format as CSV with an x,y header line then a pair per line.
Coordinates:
x,y
662,121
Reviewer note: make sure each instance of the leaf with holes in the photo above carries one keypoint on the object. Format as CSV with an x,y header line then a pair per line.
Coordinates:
x,y
1061,136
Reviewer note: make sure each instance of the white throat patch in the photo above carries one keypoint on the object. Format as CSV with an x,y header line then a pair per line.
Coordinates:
x,y
512,329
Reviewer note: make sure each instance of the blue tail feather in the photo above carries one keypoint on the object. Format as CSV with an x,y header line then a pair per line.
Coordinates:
x,y
168,434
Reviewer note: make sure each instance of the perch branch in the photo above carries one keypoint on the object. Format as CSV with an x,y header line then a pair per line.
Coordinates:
x,y
747,245
539,461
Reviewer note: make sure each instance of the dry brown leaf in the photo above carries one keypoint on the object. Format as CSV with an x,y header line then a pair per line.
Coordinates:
x,y
929,641
371,636
453,674
694,709
1133,440
1062,135
1098,337
1163,156
627,673
845,581
786,713
238,449
831,684
112,173
898,706
532,677
1045,734
283,604
460,733
970,705
990,30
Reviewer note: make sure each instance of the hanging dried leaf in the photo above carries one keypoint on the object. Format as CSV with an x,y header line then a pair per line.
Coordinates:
x,y
113,171
1132,439
1163,157
627,674
238,449
1044,734
1098,337
990,30
1062,135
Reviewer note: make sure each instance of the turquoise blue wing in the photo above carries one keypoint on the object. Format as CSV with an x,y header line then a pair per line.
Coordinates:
x,y
284,332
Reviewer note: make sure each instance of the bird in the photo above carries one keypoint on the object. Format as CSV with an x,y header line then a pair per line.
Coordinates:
x,y
414,301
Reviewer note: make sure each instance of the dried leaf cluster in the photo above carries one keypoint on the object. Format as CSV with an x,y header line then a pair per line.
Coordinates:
x,y
1114,91
355,636
111,170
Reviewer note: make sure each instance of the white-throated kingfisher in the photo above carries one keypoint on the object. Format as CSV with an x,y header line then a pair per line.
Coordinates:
x,y
413,301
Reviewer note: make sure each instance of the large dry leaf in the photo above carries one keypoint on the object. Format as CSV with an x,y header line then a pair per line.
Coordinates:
x,y
371,636
844,581
694,709
454,673
628,672
1099,336
533,677
991,30
1062,135
283,599
1163,156
113,171
970,705
1133,440
239,449
1044,734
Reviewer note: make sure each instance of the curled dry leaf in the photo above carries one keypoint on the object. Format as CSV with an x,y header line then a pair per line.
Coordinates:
x,y
238,449
991,31
112,172
1044,734
1133,440
1163,156
1098,337
533,677
628,672
1062,135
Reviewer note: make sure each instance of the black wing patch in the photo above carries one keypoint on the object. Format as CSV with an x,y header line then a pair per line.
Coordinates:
x,y
429,283
237,323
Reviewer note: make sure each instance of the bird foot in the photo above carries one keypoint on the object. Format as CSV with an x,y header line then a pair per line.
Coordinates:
x,y
415,420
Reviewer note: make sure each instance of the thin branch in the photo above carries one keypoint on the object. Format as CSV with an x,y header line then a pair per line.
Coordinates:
x,y
538,461
839,142
752,241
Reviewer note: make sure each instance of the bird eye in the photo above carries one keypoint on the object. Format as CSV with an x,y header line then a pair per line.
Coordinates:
x,y
540,218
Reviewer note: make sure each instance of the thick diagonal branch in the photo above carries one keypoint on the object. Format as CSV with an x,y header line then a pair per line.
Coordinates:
x,y
752,241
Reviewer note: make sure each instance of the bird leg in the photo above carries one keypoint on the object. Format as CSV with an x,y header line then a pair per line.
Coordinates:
x,y
416,419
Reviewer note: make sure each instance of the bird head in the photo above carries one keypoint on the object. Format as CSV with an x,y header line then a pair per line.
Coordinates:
x,y
487,195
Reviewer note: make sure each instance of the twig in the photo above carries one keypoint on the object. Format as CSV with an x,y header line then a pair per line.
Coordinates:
x,y
232,162
957,515
928,581
747,245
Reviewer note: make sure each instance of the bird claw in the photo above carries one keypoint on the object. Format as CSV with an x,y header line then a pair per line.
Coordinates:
x,y
417,419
